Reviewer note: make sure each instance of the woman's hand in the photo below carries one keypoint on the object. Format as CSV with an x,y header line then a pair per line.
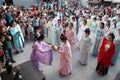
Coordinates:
x,y
54,47
8,28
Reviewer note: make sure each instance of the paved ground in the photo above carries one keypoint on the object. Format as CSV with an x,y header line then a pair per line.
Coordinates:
x,y
79,72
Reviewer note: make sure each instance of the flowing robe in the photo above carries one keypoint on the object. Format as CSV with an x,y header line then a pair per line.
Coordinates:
x,y
85,47
42,52
17,36
105,57
51,32
65,59
99,36
70,36
114,60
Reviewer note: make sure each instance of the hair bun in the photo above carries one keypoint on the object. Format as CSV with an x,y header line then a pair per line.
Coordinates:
x,y
63,37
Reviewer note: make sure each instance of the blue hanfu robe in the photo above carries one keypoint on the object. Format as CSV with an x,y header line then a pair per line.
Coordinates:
x,y
114,60
17,38
58,31
99,35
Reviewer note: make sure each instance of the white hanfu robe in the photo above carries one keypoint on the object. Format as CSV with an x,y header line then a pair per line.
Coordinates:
x,y
85,47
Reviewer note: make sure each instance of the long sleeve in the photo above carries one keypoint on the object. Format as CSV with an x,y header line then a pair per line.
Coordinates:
x,y
12,31
42,52
65,52
89,42
42,47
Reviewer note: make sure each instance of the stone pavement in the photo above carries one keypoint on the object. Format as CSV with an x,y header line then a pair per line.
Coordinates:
x,y
79,72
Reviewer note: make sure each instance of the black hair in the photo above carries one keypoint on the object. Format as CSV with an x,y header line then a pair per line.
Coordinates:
x,y
112,35
71,24
41,37
85,21
115,23
13,22
73,18
108,22
63,37
87,30
59,20
102,25
114,19
95,18
4,3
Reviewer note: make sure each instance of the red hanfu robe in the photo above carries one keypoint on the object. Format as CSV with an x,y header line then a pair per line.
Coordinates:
x,y
105,57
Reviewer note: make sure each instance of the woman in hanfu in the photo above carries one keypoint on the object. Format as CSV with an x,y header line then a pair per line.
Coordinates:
x,y
17,37
99,36
114,27
64,50
93,28
70,34
51,29
74,24
43,24
107,51
94,25
107,28
117,41
81,32
58,31
42,52
85,47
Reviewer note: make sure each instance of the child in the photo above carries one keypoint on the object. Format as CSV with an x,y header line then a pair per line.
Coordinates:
x,y
30,31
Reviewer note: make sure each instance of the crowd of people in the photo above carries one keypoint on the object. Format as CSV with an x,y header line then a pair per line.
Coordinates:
x,y
98,27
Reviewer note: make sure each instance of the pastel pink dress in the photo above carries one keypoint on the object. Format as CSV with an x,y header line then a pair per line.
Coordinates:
x,y
65,59
70,36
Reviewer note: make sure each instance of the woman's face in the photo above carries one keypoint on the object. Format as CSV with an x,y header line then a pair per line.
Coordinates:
x,y
9,10
100,26
110,38
51,19
14,24
114,22
58,22
3,31
71,27
86,34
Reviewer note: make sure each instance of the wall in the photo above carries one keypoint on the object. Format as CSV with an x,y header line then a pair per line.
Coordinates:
x,y
27,3
116,1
